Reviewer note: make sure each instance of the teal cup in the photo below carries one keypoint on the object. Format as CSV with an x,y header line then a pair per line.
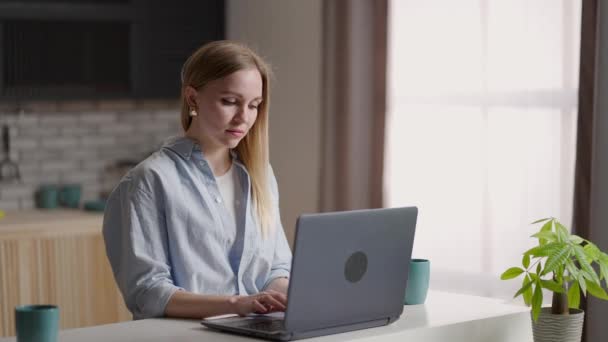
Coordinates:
x,y
37,323
417,281
47,196
69,195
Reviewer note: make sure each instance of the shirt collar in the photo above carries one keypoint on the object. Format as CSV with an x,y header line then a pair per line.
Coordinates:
x,y
185,147
181,145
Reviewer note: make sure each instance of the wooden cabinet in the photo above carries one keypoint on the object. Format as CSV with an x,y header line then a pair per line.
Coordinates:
x,y
57,257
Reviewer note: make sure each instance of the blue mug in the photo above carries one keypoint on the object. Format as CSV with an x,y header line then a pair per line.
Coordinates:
x,y
37,323
47,196
417,281
69,195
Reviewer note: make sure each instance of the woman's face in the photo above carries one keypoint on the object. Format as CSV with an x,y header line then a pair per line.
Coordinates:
x,y
227,108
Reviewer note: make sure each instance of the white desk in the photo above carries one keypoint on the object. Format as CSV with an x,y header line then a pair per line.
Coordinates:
x,y
444,317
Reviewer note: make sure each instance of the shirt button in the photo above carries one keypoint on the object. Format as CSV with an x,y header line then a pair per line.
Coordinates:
x,y
218,199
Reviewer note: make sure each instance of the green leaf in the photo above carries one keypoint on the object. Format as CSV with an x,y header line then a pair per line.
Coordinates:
x,y
552,285
572,269
562,232
604,272
511,273
538,269
579,252
537,301
546,228
525,261
575,239
547,236
533,251
587,275
596,290
541,220
592,252
527,283
558,274
545,250
557,258
528,290
581,282
603,262
574,296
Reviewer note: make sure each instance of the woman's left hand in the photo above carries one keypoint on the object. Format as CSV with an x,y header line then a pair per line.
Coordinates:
x,y
260,303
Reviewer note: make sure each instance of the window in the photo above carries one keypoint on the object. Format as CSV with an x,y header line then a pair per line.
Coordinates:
x,y
481,129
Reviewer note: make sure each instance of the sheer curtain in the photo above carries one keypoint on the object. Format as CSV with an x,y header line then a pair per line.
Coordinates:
x,y
481,129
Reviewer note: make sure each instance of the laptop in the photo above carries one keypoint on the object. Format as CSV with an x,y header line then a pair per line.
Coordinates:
x,y
348,272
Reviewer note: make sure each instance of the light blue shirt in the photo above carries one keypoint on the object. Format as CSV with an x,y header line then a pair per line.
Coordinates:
x,y
164,230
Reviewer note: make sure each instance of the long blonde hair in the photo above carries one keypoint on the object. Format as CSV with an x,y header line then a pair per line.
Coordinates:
x,y
219,59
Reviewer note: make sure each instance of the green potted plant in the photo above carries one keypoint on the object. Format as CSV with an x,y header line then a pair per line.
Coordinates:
x,y
562,263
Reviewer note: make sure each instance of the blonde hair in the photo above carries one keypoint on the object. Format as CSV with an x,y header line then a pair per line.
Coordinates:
x,y
219,59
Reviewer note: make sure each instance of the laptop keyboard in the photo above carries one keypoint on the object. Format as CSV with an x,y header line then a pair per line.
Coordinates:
x,y
266,325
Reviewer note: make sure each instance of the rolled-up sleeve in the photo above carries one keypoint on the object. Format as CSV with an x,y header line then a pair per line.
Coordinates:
x,y
135,236
281,264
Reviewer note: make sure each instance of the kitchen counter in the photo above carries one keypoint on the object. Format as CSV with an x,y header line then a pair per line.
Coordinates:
x,y
51,221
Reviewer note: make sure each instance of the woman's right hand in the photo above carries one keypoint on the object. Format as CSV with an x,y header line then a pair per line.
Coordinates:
x,y
260,303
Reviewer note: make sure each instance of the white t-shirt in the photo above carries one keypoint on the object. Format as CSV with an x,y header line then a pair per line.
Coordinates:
x,y
229,186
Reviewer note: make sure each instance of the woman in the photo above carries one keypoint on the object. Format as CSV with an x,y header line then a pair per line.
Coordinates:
x,y
194,230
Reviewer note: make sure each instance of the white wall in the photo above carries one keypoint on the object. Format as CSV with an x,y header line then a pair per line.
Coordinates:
x,y
287,33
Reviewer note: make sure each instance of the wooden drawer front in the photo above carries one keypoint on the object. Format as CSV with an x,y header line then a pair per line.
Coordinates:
x,y
71,271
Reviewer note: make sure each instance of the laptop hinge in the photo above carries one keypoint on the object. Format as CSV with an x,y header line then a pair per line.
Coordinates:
x,y
391,319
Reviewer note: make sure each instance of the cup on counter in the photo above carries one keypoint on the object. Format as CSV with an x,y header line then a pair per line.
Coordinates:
x,y
417,281
37,323
47,196
69,195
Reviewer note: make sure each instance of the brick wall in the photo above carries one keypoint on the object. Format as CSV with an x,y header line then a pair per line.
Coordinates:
x,y
80,142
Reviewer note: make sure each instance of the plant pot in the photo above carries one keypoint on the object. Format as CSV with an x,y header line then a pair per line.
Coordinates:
x,y
558,328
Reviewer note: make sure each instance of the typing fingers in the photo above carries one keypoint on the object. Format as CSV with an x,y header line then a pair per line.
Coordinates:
x,y
281,297
258,307
272,303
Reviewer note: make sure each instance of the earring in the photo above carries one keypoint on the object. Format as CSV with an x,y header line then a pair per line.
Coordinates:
x,y
193,113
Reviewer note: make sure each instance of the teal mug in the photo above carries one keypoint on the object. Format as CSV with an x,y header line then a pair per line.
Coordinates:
x,y
69,195
417,281
47,196
37,323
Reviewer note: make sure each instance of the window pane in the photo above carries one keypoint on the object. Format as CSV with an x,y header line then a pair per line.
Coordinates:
x,y
434,163
526,180
572,18
430,58
525,45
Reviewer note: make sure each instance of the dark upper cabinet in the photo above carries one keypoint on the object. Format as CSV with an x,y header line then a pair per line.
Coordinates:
x,y
87,49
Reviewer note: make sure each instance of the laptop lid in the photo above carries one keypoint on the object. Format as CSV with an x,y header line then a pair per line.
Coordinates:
x,y
349,267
